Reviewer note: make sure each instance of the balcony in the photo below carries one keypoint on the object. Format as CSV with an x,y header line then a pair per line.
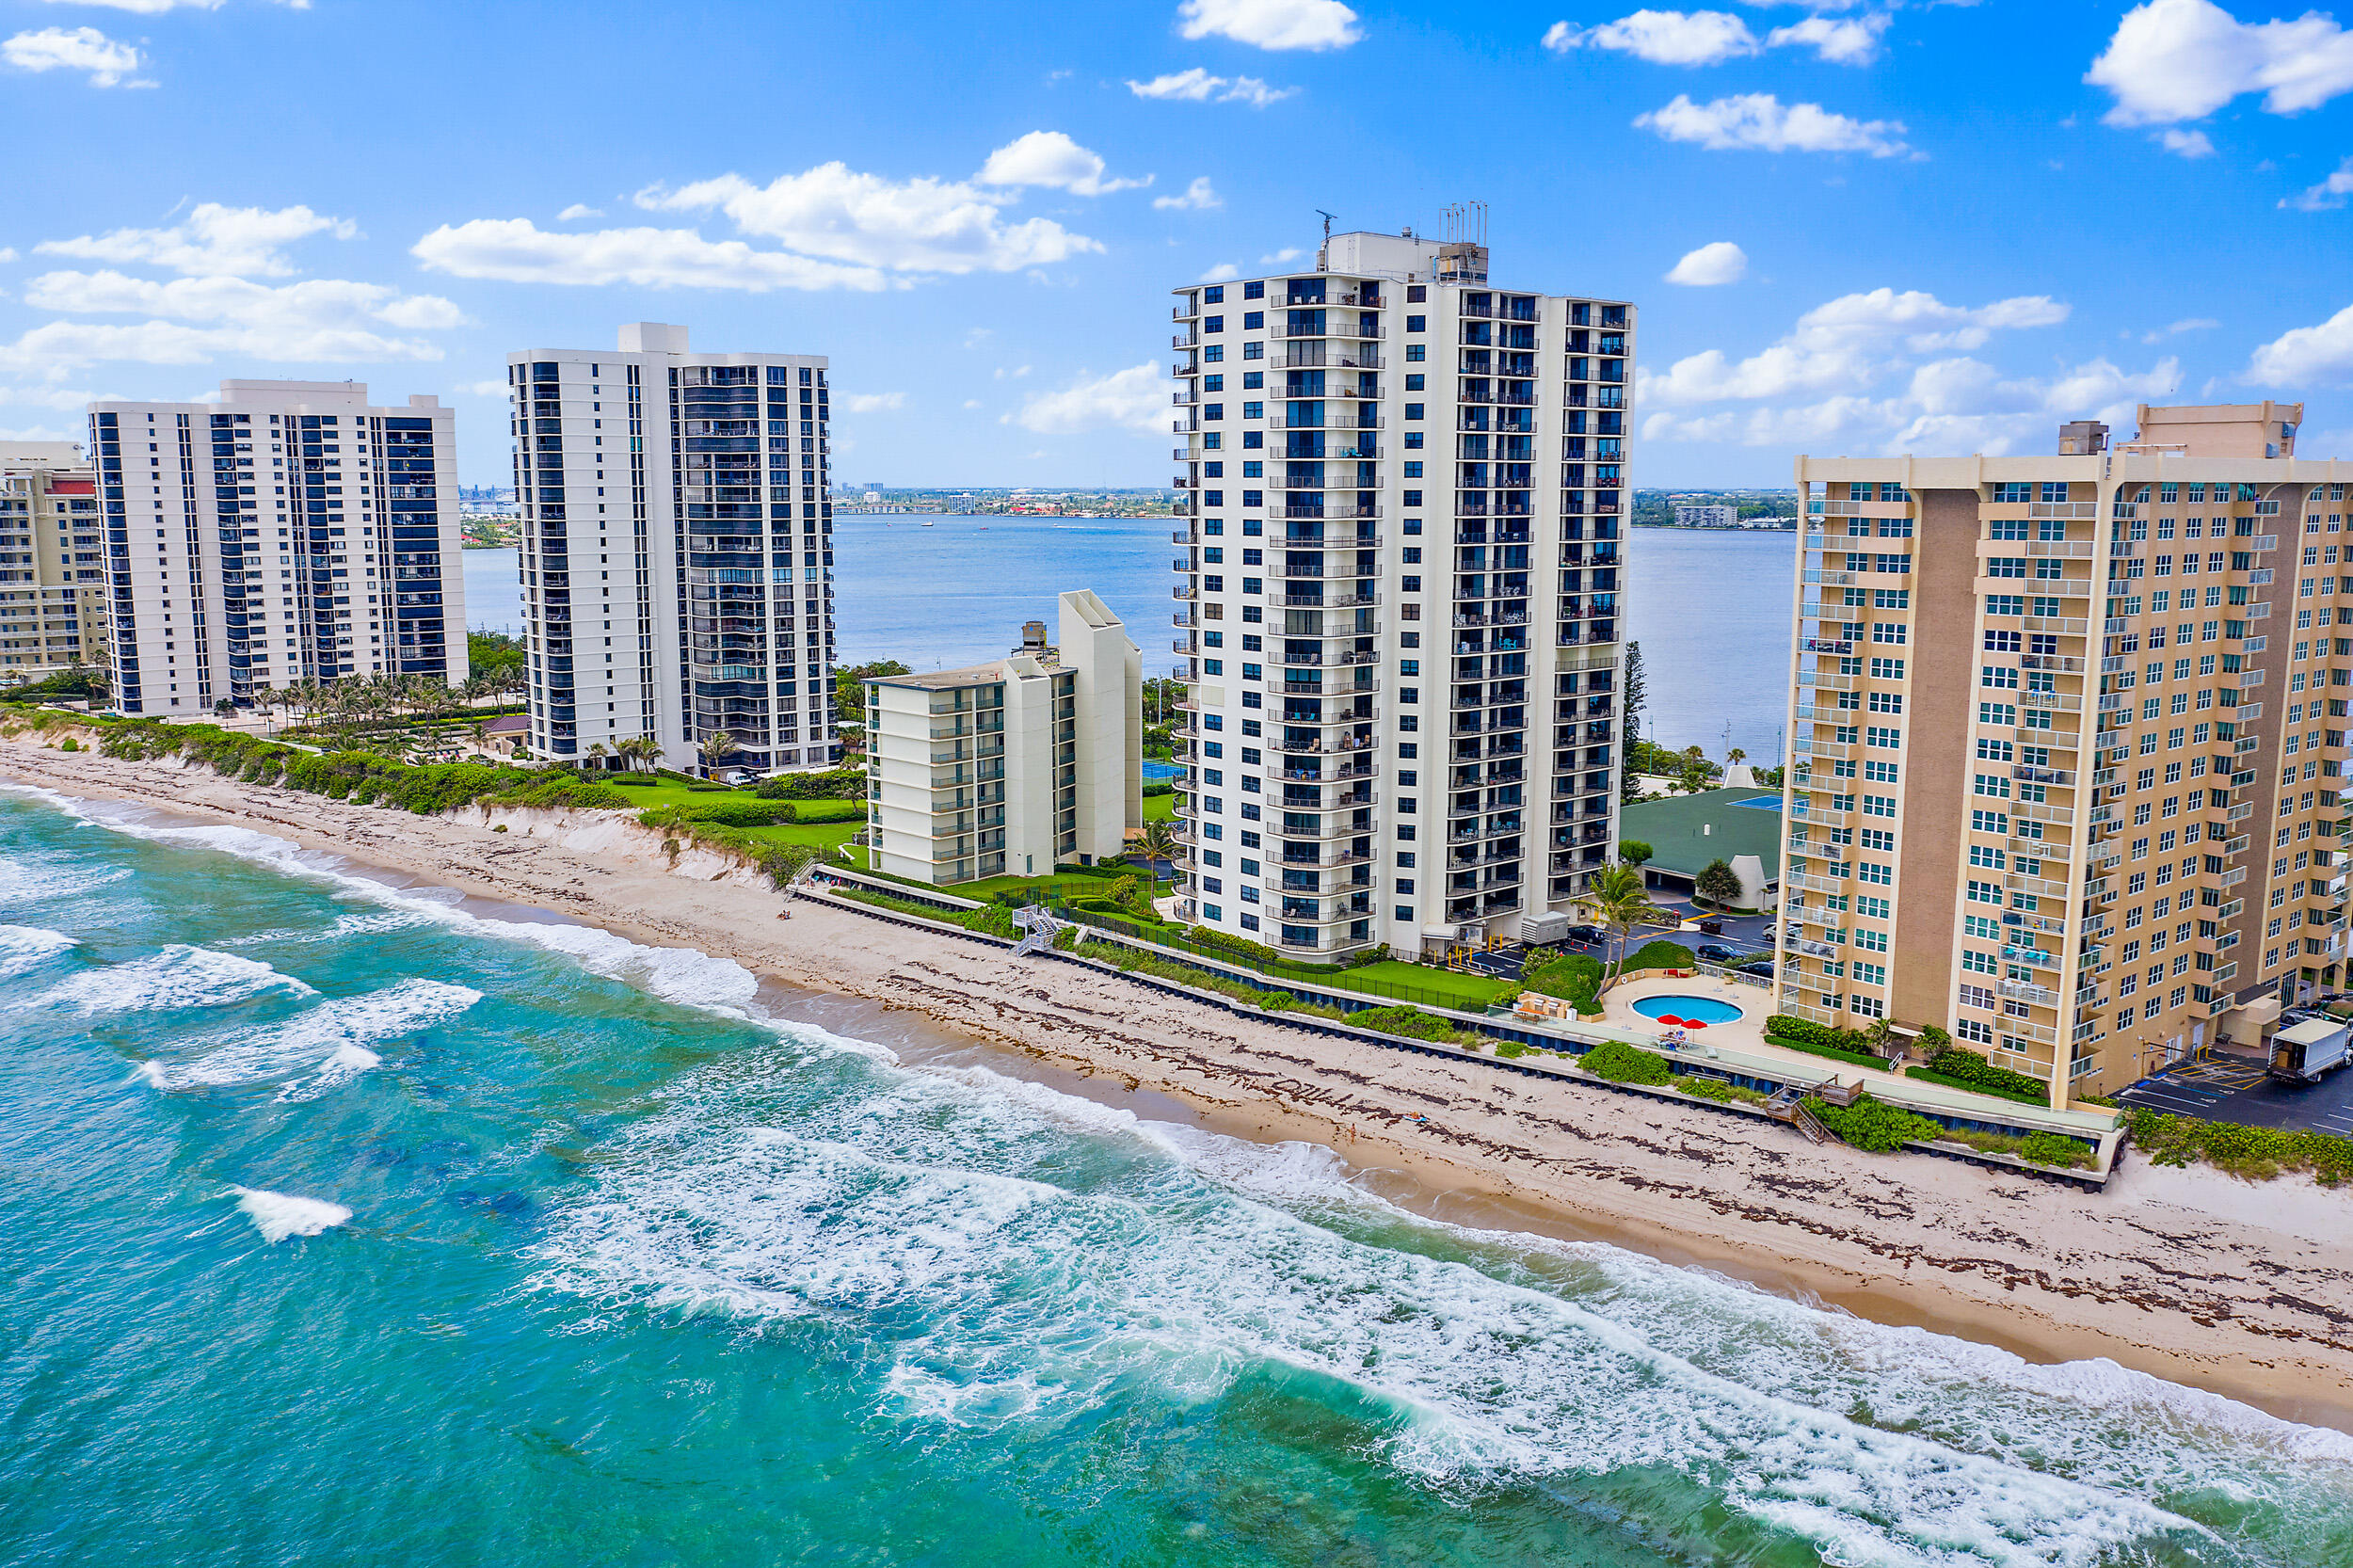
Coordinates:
x,y
2041,587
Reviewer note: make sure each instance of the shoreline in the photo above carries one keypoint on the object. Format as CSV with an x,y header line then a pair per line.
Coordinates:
x,y
2168,1272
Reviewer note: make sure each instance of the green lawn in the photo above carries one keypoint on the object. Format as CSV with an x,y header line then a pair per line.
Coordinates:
x,y
825,837
1474,991
1159,808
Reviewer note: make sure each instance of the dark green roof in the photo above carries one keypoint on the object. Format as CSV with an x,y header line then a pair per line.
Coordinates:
x,y
1674,827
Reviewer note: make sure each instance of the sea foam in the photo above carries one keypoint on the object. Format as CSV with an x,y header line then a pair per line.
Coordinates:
x,y
179,976
279,1215
332,1037
24,948
1038,1256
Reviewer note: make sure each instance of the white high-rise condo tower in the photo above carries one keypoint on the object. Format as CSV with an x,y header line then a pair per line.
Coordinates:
x,y
290,533
1399,601
678,551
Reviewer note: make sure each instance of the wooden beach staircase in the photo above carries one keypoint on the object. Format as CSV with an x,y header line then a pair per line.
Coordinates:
x,y
1788,1105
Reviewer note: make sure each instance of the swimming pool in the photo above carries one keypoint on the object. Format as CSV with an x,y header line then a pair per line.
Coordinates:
x,y
1699,1010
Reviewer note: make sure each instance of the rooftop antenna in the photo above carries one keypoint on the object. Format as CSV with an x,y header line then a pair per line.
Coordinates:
x,y
1323,253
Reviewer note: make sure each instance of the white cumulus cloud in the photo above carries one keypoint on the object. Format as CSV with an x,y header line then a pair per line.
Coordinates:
x,y
1199,196
213,240
1850,342
2183,59
576,211
1052,160
1197,86
1760,121
1851,41
1222,272
923,225
1272,23
1711,38
1711,264
84,49
2307,354
1133,399
516,250
2187,144
2330,193
875,403
1662,38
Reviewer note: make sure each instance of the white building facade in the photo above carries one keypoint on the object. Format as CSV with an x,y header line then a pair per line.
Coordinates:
x,y
1007,768
678,550
1701,514
53,562
291,532
1398,595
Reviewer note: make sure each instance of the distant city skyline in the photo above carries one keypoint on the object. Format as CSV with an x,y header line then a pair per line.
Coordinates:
x,y
1873,229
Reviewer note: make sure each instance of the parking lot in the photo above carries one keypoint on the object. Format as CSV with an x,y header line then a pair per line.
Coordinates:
x,y
2234,1089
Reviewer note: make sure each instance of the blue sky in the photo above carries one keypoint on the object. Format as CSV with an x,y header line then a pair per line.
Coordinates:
x,y
1890,226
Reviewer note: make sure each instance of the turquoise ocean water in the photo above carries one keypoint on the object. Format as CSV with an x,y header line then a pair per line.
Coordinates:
x,y
345,1222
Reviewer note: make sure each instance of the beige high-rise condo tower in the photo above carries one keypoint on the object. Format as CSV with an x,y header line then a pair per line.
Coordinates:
x,y
53,562
2068,743
1398,595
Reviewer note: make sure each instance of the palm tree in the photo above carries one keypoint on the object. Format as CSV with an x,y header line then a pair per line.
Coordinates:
x,y
640,749
716,747
1156,843
480,730
595,753
1617,901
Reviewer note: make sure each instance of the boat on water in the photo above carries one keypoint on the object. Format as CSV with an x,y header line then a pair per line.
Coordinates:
x,y
931,525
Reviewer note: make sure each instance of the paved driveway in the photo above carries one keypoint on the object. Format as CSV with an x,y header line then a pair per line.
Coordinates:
x,y
2230,1089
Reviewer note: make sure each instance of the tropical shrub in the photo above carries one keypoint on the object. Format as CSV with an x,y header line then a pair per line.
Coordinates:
x,y
1873,1126
2257,1153
1623,1064
1716,1089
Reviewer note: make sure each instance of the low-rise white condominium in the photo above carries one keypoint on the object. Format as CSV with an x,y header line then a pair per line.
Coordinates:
x,y
291,532
1009,767
53,562
678,551
1397,597
2068,743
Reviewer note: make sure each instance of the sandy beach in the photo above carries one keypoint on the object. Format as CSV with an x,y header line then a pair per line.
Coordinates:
x,y
2244,1289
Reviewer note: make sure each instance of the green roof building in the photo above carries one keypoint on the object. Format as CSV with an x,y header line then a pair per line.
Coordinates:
x,y
1686,832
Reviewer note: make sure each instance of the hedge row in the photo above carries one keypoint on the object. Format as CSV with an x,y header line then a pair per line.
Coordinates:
x,y
2257,1153
839,784
360,776
1973,1071
1927,1075
993,919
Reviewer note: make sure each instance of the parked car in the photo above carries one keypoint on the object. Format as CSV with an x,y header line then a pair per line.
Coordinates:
x,y
1758,967
1712,928
1588,935
1716,953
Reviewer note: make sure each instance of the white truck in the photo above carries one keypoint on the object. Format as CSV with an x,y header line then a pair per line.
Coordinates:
x,y
2307,1049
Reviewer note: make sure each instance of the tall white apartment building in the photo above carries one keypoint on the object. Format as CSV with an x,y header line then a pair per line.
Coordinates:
x,y
678,548
1008,767
1398,596
290,532
1703,513
2068,742
53,562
